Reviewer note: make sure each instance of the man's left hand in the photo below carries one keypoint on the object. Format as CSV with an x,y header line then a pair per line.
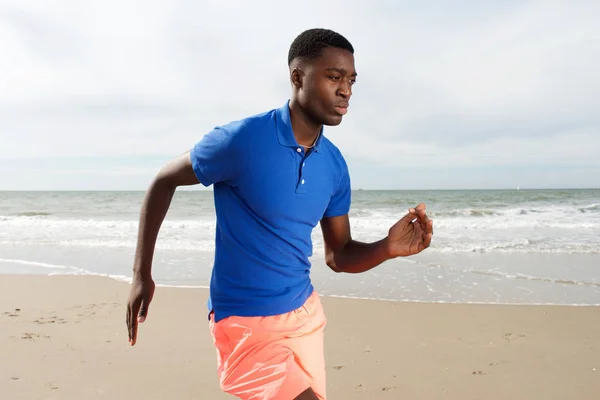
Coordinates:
x,y
412,234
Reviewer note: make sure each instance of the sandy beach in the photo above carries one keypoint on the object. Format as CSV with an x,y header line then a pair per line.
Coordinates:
x,y
64,337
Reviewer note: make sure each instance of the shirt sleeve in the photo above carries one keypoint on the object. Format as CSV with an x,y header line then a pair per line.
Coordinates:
x,y
342,197
217,158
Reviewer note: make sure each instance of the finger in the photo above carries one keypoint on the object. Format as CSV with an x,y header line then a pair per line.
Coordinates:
x,y
143,314
427,241
134,329
133,323
417,230
424,223
127,321
429,229
408,218
426,228
419,210
422,215
131,326
422,243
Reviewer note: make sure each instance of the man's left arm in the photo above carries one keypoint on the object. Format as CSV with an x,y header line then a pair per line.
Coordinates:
x,y
410,235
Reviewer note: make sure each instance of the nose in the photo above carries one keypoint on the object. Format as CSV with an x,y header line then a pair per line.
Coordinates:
x,y
345,90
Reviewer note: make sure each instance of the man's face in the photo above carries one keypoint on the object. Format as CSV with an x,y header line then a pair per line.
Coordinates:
x,y
327,85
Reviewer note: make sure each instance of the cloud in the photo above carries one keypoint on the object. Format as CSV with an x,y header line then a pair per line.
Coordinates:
x,y
472,85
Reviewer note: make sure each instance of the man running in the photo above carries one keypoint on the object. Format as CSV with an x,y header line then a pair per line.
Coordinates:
x,y
275,177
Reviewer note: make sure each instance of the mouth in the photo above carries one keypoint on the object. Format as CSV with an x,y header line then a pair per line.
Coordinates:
x,y
341,109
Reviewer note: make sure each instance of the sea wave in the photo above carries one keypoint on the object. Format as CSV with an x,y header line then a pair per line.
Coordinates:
x,y
35,222
58,269
520,246
548,229
514,211
34,263
593,282
34,214
70,270
590,208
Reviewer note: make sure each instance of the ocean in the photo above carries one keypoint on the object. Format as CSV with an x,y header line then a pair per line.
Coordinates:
x,y
489,246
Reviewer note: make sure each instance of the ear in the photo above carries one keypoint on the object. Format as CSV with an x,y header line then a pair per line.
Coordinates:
x,y
296,77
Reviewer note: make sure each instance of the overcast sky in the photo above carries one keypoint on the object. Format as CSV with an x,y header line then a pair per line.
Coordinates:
x,y
450,94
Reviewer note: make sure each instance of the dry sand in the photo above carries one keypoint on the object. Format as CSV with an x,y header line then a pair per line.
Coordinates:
x,y
64,337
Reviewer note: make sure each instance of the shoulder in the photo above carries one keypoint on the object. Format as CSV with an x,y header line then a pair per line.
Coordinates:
x,y
334,153
242,130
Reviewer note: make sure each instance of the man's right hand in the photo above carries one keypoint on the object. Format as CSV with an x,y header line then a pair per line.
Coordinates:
x,y
140,296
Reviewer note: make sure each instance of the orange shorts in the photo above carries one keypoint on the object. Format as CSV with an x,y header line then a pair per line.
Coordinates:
x,y
272,358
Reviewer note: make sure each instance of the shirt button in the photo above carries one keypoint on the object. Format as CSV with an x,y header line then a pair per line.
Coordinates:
x,y
304,164
299,150
303,181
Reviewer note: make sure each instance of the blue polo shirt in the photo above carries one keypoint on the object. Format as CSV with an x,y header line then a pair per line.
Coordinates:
x,y
269,195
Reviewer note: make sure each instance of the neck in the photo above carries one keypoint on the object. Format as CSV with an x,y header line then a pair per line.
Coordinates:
x,y
305,129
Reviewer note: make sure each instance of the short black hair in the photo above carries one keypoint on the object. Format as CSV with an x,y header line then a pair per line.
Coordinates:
x,y
310,44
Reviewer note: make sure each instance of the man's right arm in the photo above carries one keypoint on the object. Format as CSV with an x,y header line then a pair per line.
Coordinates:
x,y
217,158
177,172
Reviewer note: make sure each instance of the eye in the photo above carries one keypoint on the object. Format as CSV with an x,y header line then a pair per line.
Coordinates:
x,y
334,78
352,81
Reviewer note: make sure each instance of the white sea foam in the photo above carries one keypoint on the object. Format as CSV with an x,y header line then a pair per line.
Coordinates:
x,y
492,231
95,233
33,263
460,302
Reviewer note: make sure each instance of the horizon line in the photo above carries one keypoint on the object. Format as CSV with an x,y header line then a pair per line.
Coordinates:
x,y
183,189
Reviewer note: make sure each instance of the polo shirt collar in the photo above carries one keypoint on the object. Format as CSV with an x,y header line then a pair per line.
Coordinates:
x,y
285,134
